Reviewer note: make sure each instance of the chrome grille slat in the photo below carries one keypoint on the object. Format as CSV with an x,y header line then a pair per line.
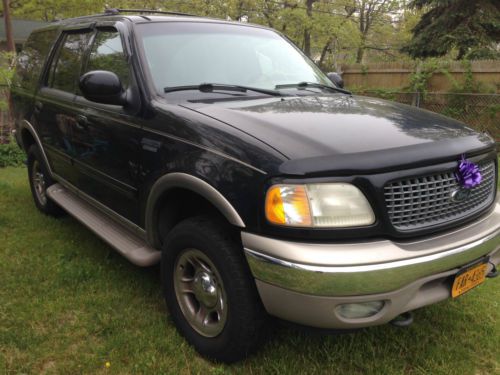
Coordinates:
x,y
419,202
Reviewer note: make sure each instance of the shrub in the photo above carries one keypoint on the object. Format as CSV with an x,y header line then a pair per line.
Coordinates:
x,y
11,154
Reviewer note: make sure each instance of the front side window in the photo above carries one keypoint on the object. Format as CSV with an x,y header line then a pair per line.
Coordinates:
x,y
189,53
107,54
67,65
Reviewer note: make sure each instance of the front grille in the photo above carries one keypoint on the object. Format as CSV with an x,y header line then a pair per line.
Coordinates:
x,y
420,202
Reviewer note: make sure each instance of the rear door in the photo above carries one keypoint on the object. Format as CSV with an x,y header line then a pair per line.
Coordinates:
x,y
30,63
107,142
54,104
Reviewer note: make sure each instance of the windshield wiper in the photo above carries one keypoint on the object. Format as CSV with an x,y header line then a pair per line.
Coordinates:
x,y
303,85
211,87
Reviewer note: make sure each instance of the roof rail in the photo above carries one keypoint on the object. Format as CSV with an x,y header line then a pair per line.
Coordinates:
x,y
115,11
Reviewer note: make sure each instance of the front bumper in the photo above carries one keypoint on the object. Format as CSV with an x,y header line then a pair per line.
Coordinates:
x,y
305,282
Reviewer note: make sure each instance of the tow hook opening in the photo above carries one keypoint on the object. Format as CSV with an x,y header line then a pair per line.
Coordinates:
x,y
403,320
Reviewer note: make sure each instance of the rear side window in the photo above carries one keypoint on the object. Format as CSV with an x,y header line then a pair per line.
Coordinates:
x,y
67,64
107,54
31,59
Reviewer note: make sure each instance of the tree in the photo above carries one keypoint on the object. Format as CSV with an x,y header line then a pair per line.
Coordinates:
x,y
307,29
8,26
49,10
464,25
371,12
329,31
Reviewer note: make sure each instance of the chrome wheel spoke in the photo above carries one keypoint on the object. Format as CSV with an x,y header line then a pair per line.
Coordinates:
x,y
220,307
38,179
198,264
187,287
204,267
201,316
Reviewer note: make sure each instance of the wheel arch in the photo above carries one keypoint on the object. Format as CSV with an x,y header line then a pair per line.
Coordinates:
x,y
28,138
172,183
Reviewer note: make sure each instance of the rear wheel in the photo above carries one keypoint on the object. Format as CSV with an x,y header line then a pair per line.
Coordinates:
x,y
40,181
210,292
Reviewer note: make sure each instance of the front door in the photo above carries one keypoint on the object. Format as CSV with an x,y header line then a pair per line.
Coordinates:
x,y
54,103
107,140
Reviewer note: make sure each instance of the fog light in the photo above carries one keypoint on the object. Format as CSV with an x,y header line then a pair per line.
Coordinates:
x,y
360,310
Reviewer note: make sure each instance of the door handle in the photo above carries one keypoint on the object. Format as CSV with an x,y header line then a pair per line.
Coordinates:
x,y
82,122
38,107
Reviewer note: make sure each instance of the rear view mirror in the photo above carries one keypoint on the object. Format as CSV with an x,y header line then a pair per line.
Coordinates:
x,y
336,78
104,87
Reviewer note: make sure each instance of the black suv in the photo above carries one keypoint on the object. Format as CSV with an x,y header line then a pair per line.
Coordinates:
x,y
218,149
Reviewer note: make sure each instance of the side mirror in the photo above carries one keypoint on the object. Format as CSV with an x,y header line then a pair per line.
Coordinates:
x,y
104,87
336,78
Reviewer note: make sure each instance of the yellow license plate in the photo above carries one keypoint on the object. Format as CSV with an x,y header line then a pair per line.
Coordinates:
x,y
469,278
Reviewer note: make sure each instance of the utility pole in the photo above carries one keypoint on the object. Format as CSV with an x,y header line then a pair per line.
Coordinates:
x,y
11,47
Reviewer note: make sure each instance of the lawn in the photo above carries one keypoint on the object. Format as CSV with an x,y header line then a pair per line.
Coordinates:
x,y
69,305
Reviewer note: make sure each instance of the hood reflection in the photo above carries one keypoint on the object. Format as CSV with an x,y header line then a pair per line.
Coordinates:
x,y
310,126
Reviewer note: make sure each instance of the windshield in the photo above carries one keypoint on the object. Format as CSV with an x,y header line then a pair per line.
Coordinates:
x,y
192,53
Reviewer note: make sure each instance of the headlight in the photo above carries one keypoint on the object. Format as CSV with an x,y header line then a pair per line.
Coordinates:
x,y
318,205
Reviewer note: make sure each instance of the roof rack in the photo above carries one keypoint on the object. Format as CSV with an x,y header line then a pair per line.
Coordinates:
x,y
115,11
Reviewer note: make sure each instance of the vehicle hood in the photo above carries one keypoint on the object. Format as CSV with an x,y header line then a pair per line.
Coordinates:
x,y
347,133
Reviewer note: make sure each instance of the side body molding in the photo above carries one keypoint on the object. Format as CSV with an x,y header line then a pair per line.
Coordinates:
x,y
189,182
26,126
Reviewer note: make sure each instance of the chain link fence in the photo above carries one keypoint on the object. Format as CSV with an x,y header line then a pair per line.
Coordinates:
x,y
480,111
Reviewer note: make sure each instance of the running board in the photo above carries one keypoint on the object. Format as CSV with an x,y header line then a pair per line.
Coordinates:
x,y
121,239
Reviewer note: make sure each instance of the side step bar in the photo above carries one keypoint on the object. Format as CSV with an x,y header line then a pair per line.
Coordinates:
x,y
135,249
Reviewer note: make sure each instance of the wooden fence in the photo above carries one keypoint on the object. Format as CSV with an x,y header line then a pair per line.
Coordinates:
x,y
397,75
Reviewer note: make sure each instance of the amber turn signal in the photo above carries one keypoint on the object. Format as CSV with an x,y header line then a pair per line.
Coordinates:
x,y
288,205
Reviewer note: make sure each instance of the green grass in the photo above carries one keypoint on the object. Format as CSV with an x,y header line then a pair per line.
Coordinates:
x,y
69,304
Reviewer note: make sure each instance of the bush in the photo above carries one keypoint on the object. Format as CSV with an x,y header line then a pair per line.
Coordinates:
x,y
11,154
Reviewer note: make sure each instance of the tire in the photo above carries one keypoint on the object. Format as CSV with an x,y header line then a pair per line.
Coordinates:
x,y
204,273
40,181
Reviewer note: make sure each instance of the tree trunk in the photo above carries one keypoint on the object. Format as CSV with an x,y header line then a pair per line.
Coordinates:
x,y
307,41
461,53
11,47
360,54
307,29
325,50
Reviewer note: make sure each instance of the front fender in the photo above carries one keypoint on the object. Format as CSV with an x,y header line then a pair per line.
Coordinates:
x,y
189,182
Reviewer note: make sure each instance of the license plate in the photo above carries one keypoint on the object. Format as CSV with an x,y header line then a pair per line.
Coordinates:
x,y
469,277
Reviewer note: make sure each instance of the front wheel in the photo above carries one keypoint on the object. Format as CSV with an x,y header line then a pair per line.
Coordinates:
x,y
210,292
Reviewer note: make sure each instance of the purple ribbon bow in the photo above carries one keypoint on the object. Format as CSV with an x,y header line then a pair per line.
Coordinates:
x,y
468,174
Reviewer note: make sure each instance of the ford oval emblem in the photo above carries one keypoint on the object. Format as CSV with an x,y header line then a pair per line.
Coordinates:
x,y
459,195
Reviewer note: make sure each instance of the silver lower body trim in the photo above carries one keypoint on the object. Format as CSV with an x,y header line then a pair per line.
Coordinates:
x,y
353,269
116,235
105,210
321,311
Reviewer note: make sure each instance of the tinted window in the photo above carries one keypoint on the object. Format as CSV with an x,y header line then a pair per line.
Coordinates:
x,y
66,67
107,54
32,58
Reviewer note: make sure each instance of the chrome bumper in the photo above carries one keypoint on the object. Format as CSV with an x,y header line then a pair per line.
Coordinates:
x,y
367,267
293,276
